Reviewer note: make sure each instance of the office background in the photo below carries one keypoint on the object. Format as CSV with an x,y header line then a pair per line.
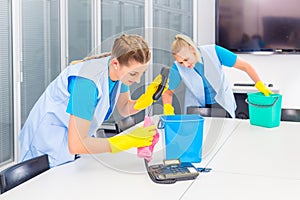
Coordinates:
x,y
38,38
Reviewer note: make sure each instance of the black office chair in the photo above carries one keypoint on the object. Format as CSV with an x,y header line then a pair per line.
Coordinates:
x,y
290,115
207,112
125,123
23,171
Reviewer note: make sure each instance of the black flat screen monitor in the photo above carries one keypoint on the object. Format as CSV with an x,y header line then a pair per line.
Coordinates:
x,y
258,25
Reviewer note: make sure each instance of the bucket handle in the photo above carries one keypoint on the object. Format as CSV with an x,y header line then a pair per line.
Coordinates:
x,y
262,106
160,124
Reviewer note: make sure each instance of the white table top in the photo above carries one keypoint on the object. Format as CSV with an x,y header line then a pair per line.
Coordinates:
x,y
94,177
253,163
248,162
216,132
231,186
261,151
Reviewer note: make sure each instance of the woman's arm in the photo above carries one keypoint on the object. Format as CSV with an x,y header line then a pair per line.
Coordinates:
x,y
246,67
125,104
80,143
167,101
167,97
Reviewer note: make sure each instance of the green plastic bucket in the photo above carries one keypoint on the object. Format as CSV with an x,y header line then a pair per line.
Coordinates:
x,y
183,136
264,110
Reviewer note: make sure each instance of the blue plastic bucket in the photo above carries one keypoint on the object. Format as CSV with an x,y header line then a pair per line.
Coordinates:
x,y
183,136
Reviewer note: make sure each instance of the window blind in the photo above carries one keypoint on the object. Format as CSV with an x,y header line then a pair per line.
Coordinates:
x,y
6,105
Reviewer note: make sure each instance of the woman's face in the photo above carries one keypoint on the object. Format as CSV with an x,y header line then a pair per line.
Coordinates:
x,y
186,57
129,74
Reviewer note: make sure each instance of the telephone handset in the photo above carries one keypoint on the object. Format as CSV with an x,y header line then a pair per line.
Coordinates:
x,y
164,80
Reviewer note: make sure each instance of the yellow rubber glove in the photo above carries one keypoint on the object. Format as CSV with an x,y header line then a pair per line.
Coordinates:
x,y
262,88
145,100
139,137
168,109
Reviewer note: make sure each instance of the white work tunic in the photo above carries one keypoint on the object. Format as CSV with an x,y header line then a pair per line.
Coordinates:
x,y
46,128
215,76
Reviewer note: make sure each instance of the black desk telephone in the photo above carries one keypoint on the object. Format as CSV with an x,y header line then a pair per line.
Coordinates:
x,y
171,171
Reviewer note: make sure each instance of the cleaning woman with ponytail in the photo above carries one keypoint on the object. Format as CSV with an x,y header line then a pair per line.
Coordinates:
x,y
74,105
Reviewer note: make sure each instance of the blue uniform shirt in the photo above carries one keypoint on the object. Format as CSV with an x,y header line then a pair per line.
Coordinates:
x,y
83,97
226,57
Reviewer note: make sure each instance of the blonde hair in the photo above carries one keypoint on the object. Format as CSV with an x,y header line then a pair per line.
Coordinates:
x,y
182,41
126,48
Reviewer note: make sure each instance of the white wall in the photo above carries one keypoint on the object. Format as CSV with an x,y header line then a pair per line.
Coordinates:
x,y
281,70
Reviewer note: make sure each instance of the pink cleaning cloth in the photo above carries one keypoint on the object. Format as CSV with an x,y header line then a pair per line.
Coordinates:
x,y
146,152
